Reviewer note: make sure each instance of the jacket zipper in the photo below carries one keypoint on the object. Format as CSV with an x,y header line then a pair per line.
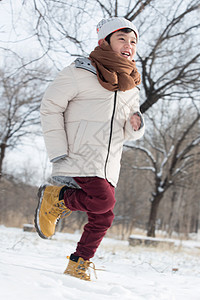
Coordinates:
x,y
111,131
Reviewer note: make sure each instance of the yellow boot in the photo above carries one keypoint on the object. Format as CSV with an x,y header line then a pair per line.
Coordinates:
x,y
78,267
49,210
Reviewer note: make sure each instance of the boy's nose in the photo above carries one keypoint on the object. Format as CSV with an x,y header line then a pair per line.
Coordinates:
x,y
128,45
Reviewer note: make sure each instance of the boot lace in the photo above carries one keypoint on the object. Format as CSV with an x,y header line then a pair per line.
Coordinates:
x,y
60,210
86,266
91,265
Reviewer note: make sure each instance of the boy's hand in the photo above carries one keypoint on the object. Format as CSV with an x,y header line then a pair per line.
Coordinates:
x,y
135,122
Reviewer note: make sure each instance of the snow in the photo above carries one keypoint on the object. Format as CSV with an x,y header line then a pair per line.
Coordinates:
x,y
160,189
32,268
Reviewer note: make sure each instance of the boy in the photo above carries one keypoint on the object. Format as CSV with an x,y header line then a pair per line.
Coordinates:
x,y
87,113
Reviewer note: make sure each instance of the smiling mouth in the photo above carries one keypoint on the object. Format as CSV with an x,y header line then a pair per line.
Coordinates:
x,y
126,54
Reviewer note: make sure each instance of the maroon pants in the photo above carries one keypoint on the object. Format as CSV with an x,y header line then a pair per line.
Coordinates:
x,y
97,198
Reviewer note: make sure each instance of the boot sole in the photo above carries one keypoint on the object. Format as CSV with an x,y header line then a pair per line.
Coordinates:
x,y
37,212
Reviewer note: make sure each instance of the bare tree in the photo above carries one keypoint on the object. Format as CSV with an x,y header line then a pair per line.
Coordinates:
x,y
170,156
170,64
19,107
131,209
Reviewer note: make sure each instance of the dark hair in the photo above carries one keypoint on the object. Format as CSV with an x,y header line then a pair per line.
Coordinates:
x,y
126,30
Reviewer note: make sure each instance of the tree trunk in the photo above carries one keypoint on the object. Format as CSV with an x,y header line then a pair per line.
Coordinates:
x,y
171,221
2,155
153,215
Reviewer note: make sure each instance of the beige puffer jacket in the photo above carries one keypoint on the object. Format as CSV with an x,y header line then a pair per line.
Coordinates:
x,y
87,125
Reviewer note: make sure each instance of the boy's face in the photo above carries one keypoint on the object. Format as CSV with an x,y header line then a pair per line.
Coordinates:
x,y
124,44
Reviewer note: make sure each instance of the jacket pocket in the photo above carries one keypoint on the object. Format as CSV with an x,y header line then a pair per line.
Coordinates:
x,y
79,135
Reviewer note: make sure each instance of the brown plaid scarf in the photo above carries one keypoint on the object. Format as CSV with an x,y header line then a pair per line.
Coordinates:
x,y
114,72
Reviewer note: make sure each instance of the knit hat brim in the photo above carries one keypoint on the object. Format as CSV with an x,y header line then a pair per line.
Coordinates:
x,y
108,26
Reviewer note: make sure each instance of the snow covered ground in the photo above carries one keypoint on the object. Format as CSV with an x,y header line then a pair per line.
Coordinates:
x,y
32,268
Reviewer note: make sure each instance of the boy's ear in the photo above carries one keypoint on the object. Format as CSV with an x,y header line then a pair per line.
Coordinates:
x,y
100,42
103,41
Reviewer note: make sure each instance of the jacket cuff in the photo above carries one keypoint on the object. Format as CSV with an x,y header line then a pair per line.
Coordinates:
x,y
53,160
141,119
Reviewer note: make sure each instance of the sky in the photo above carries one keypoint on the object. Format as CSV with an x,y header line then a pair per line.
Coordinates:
x,y
29,161
32,268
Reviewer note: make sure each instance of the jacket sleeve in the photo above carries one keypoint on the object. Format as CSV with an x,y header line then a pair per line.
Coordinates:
x,y
129,132
54,103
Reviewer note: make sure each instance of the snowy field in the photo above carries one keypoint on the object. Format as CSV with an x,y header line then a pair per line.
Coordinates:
x,y
32,268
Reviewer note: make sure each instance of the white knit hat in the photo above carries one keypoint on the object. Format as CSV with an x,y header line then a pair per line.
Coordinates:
x,y
107,26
